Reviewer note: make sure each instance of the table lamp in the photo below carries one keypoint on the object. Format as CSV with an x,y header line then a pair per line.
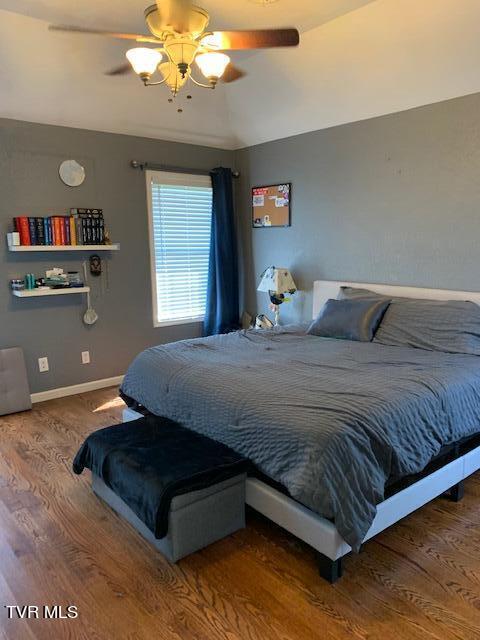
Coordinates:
x,y
277,281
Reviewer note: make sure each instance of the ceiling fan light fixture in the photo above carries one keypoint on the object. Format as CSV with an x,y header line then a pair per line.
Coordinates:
x,y
172,76
181,52
144,61
212,64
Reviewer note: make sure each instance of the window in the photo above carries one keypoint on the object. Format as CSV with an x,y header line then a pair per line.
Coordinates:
x,y
180,215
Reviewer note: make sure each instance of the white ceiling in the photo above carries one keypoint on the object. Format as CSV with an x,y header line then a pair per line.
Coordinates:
x,y
127,15
357,59
388,56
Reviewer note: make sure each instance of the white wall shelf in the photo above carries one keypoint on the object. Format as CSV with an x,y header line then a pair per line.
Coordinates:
x,y
34,293
77,247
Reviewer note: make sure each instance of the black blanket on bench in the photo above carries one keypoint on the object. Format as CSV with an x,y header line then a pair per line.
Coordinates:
x,y
149,461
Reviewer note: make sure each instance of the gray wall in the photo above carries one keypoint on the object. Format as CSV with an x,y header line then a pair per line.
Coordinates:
x,y
394,199
29,185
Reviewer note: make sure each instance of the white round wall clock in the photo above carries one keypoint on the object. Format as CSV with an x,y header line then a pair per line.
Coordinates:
x,y
72,173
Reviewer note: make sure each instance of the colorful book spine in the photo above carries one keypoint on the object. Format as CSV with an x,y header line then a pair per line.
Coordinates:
x,y
53,235
101,239
24,230
45,231
78,228
40,231
61,230
50,230
73,231
90,225
32,225
66,226
57,230
86,228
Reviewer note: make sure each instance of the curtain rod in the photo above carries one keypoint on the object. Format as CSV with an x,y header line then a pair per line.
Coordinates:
x,y
162,167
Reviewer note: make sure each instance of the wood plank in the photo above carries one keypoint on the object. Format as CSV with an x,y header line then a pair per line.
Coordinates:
x,y
59,544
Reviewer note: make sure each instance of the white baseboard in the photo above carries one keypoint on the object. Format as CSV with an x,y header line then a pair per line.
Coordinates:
x,y
61,392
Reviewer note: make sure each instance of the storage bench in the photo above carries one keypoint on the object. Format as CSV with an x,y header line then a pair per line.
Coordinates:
x,y
195,520
180,490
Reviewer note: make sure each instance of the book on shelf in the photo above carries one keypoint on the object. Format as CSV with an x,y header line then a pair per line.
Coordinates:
x,y
73,232
80,227
66,226
90,225
46,231
21,225
40,231
32,226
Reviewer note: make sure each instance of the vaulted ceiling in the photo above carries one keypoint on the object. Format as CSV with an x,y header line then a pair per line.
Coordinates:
x,y
357,59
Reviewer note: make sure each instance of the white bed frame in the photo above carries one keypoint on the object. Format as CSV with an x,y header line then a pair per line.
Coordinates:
x,y
319,532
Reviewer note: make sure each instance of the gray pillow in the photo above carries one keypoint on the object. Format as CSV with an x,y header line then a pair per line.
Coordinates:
x,y
451,326
349,319
348,293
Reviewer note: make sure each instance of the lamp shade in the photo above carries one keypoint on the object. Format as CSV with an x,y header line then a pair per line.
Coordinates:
x,y
212,64
278,280
143,60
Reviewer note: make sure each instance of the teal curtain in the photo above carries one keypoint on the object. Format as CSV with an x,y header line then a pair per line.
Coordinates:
x,y
222,309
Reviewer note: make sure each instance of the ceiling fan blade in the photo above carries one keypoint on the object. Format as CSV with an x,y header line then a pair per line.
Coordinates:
x,y
121,70
257,39
232,73
99,32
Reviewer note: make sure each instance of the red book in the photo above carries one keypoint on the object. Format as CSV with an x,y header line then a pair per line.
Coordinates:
x,y
23,228
61,225
57,230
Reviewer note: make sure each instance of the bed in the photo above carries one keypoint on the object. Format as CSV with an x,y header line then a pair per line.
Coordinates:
x,y
335,428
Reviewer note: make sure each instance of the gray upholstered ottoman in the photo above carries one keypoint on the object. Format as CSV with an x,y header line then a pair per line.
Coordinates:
x,y
196,519
14,390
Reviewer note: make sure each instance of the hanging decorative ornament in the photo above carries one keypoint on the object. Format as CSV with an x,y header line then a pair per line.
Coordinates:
x,y
71,173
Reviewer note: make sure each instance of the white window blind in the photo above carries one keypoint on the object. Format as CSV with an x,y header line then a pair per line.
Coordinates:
x,y
180,212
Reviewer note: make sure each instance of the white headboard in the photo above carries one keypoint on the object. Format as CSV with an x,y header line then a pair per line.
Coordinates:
x,y
325,289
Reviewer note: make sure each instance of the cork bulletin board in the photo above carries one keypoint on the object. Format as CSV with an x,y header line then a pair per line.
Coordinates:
x,y
271,205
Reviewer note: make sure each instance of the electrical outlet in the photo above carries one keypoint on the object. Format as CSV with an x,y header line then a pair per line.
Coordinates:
x,y
43,364
85,357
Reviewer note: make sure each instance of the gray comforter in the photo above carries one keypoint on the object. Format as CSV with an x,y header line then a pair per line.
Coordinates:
x,y
331,420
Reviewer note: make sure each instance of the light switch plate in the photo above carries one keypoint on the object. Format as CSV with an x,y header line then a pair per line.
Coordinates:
x,y
85,357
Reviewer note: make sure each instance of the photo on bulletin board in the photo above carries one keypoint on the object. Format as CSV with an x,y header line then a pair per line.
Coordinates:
x,y
271,206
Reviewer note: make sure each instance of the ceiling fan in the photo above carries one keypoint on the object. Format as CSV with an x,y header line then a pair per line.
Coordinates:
x,y
179,29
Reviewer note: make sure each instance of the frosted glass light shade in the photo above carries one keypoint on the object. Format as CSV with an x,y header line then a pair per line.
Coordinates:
x,y
212,64
181,50
143,60
278,280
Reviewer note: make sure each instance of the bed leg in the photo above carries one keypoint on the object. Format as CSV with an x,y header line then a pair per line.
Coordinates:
x,y
330,570
457,492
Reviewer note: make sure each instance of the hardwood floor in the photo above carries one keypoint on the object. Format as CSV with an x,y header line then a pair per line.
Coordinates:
x,y
60,545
